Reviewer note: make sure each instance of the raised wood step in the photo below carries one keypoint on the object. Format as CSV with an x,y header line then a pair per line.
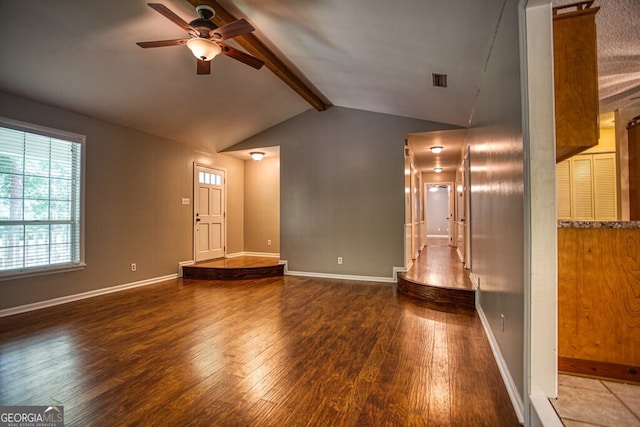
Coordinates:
x,y
464,298
238,268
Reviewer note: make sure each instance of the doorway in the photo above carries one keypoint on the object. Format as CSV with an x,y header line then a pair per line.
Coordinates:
x,y
209,213
439,210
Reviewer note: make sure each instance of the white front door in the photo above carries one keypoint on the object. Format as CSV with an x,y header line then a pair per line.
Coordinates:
x,y
209,213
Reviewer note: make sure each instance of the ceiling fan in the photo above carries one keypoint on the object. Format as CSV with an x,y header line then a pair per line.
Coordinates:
x,y
205,37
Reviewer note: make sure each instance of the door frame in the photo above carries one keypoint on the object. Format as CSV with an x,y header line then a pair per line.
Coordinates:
x,y
196,166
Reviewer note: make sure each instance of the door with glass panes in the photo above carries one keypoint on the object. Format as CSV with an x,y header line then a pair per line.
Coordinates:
x,y
209,213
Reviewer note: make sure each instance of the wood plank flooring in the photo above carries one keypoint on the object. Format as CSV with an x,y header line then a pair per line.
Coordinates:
x,y
285,351
438,265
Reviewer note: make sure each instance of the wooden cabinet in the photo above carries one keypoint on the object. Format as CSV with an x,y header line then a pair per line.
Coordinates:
x,y
599,302
576,78
633,133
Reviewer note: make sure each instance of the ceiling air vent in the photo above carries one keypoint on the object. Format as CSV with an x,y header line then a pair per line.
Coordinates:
x,y
439,80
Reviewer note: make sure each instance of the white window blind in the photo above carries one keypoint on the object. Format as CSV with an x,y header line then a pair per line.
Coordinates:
x,y
40,198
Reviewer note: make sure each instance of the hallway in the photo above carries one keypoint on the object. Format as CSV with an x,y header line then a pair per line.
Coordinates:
x,y
438,265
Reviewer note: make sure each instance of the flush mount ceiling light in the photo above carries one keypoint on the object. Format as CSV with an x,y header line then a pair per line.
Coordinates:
x,y
437,149
256,155
438,170
433,188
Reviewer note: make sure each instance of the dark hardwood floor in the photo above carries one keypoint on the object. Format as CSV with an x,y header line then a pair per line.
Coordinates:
x,y
283,351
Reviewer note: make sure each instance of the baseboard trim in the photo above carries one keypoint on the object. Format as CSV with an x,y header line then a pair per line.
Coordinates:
x,y
183,264
340,276
512,390
76,297
542,409
397,270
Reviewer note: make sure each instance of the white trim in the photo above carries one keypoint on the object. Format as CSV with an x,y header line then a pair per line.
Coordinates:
x,y
545,414
475,281
408,267
442,236
70,298
260,254
397,270
341,276
40,271
182,264
512,390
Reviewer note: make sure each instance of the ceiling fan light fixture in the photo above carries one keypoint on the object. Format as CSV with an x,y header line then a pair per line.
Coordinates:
x,y
203,49
256,155
437,149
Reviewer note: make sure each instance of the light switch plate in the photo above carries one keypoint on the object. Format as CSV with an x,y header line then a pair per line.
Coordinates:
x,y
186,201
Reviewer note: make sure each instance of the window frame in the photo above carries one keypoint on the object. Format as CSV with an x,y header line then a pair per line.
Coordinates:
x,y
71,137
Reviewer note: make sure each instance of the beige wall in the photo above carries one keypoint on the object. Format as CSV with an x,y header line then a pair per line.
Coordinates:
x,y
342,189
497,195
262,206
133,211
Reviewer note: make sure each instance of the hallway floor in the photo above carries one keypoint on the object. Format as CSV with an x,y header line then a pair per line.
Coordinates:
x,y
438,265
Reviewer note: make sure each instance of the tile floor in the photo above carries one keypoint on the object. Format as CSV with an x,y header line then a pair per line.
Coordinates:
x,y
592,402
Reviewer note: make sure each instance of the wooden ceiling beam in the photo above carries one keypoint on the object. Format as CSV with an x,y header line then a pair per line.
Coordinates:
x,y
257,48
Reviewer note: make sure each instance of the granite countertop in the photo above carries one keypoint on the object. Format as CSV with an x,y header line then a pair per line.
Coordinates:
x,y
599,224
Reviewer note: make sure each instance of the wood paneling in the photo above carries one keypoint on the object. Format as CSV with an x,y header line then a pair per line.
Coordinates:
x,y
272,352
599,295
576,78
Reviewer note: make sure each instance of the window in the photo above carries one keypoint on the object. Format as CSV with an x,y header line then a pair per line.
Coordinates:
x,y
40,199
210,178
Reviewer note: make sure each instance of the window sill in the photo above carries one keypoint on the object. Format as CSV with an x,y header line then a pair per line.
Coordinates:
x,y
40,271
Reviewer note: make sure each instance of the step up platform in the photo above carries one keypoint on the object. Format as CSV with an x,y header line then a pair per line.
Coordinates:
x,y
236,268
464,298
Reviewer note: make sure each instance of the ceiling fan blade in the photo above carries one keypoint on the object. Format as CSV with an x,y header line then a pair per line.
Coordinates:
x,y
164,11
204,67
241,56
235,28
163,43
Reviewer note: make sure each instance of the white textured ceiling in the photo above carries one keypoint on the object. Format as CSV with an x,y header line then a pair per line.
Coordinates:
x,y
366,54
618,33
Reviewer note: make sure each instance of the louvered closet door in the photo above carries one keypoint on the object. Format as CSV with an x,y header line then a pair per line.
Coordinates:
x,y
582,191
563,189
604,187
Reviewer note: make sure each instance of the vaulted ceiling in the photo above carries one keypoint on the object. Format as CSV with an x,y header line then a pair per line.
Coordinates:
x,y
375,55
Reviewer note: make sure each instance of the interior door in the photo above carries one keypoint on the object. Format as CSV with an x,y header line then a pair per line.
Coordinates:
x,y
209,213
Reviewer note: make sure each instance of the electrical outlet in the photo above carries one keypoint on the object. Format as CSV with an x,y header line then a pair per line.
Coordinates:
x,y
134,267
268,242
339,260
